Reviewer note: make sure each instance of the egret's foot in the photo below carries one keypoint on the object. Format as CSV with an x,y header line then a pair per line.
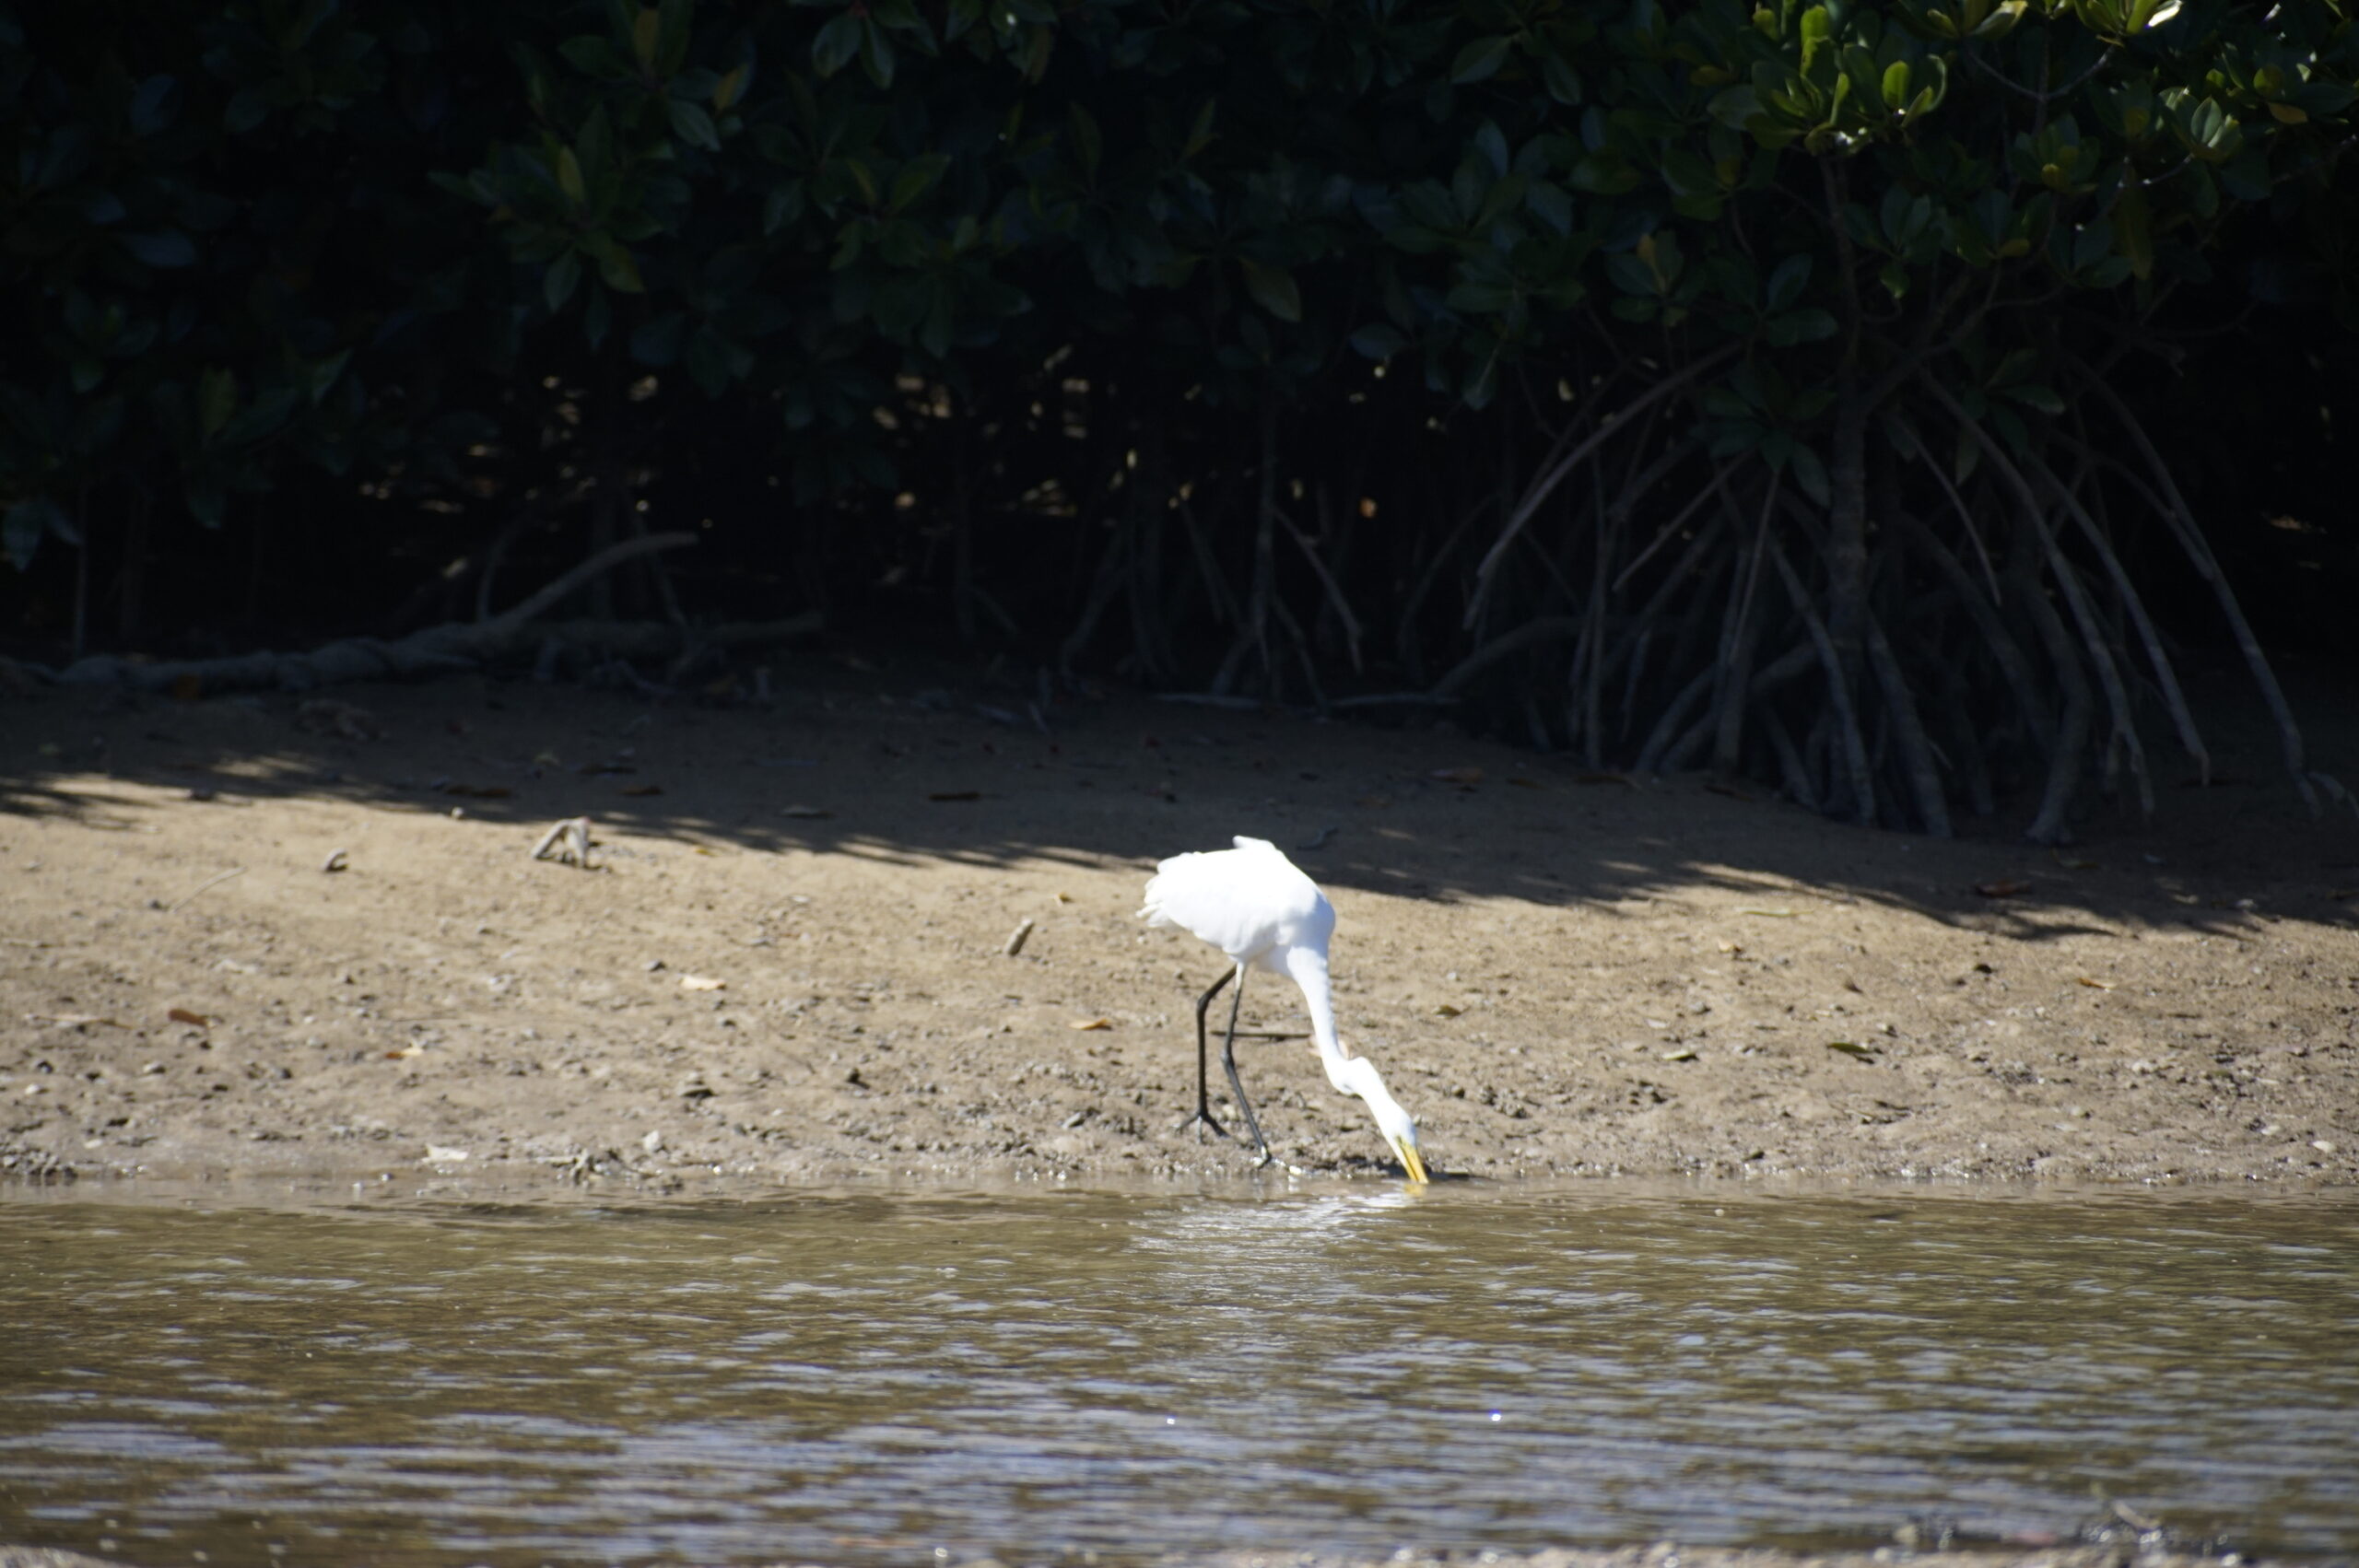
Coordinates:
x,y
1200,1118
1263,1161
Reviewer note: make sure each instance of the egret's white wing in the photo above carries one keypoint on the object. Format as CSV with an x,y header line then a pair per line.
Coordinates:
x,y
1245,901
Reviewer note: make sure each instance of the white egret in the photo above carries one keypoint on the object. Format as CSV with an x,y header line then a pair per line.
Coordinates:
x,y
1257,906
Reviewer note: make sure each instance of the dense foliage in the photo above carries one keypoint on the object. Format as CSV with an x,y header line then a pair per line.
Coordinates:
x,y
1765,387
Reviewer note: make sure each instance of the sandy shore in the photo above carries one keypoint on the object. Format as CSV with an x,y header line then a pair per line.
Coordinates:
x,y
788,960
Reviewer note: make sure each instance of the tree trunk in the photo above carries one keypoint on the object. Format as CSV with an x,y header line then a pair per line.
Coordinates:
x,y
1846,534
132,580
610,489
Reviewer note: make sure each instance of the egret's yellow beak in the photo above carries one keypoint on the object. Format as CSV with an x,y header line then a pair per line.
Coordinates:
x,y
1411,1161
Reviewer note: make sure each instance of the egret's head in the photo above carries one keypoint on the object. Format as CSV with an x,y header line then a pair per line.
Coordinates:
x,y
1402,1136
1358,1075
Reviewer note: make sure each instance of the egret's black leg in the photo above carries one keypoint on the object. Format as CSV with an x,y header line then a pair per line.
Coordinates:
x,y
1228,1063
1202,1117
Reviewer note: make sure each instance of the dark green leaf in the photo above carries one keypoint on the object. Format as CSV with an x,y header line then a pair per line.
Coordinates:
x,y
163,248
1563,84
1811,326
709,362
217,399
916,177
593,55
876,55
1430,205
1274,289
615,267
1480,298
1604,174
836,43
28,523
1481,383
1629,274
569,180
1685,173
1493,144
782,205
1088,143
557,283
155,105
261,417
656,342
1502,198
1551,206
245,111
1811,474
1479,61
693,125
324,374
934,334
1199,135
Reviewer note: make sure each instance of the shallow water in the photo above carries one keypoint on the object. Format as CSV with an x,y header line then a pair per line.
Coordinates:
x,y
865,1379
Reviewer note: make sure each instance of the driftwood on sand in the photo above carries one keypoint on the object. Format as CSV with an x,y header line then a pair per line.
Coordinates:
x,y
453,646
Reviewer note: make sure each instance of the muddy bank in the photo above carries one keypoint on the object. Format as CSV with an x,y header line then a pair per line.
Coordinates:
x,y
1662,1555
1672,1555
788,960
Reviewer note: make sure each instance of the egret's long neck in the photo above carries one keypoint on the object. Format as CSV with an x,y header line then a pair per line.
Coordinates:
x,y
1309,972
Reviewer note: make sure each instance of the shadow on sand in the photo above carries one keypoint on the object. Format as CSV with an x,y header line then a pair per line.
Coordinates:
x,y
919,761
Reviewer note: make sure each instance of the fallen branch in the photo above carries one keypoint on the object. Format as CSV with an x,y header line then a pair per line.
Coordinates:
x,y
582,576
453,646
661,639
1531,634
1216,699
1393,699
